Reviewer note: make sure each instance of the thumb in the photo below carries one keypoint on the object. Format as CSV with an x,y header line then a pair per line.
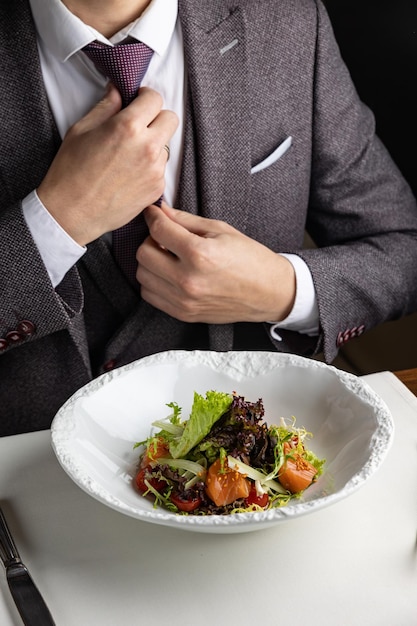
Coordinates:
x,y
109,105
195,224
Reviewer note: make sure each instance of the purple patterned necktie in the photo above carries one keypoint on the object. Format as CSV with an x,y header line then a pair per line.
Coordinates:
x,y
125,65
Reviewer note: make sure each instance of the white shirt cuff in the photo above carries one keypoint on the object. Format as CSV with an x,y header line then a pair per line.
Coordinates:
x,y
304,316
58,251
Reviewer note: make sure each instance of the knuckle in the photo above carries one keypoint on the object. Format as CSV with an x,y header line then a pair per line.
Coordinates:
x,y
150,93
156,228
200,255
192,288
186,312
153,152
151,101
172,119
141,258
127,128
158,100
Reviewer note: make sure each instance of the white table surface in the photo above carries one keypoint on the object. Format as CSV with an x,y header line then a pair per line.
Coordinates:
x,y
353,563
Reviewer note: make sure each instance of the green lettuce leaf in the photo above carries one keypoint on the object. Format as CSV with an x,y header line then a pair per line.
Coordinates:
x,y
204,413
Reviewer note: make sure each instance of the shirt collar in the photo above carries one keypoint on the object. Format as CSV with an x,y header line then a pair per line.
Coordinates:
x,y
64,33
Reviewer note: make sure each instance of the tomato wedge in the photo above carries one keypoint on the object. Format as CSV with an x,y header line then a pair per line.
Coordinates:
x,y
253,498
145,473
224,486
184,503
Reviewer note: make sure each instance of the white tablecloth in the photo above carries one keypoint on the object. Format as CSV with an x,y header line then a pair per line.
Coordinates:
x,y
351,564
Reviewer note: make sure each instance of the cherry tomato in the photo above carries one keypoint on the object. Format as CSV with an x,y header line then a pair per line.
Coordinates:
x,y
156,449
254,498
186,504
146,473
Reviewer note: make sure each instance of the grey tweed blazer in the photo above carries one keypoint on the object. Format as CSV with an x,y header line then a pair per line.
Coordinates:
x,y
259,72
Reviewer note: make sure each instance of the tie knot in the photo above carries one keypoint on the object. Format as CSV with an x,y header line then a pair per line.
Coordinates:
x,y
125,65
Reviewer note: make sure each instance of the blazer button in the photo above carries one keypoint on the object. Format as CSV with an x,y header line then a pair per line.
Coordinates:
x,y
13,336
26,327
110,365
3,344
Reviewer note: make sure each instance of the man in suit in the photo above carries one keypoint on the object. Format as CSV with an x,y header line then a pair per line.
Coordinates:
x,y
266,137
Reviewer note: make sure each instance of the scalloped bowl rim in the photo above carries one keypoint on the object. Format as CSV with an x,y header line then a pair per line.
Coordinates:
x,y
236,366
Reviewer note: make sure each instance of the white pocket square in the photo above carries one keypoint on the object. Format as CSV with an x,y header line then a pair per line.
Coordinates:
x,y
274,156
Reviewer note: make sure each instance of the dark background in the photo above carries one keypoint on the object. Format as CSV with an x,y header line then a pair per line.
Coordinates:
x,y
378,41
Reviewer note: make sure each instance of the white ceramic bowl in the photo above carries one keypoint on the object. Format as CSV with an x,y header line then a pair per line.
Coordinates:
x,y
94,432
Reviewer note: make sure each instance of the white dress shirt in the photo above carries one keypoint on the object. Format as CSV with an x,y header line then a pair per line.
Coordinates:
x,y
74,86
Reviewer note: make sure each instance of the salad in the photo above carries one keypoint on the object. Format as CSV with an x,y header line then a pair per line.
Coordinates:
x,y
224,459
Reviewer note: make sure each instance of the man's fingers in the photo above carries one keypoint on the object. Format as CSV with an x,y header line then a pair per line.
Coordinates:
x,y
108,106
148,112
166,232
201,226
145,107
165,124
145,110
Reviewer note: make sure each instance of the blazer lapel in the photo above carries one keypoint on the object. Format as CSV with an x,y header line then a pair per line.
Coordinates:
x,y
214,41
215,179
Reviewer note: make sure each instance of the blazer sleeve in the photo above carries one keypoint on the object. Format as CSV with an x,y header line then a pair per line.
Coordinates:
x,y
362,215
30,307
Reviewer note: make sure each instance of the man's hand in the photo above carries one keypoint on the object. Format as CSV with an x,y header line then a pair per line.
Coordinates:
x,y
201,270
110,166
